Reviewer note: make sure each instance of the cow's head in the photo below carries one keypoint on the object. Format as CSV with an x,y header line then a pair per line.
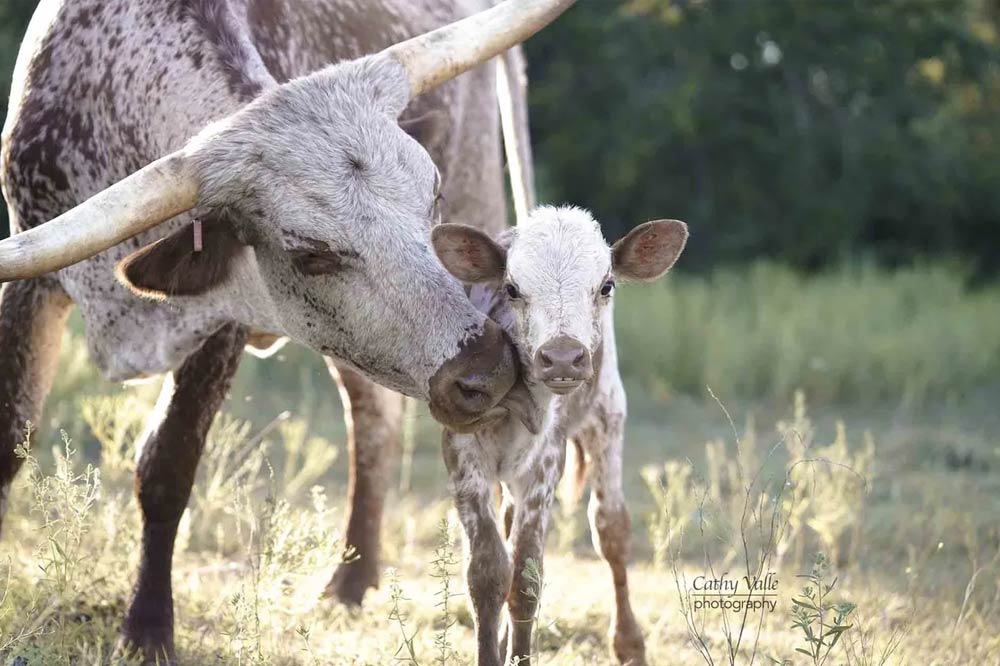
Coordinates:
x,y
315,207
555,275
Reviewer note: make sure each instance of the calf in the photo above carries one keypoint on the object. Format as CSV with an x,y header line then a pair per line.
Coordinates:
x,y
550,285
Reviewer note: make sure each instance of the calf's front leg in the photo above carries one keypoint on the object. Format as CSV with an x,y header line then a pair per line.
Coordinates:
x,y
488,571
535,492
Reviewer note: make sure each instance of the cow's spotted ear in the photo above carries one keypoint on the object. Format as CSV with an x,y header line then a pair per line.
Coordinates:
x,y
468,253
173,266
649,250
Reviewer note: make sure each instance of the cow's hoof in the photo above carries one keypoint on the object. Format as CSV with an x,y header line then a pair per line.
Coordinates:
x,y
154,644
350,582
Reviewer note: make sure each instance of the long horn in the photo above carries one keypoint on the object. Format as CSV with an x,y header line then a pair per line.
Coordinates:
x,y
155,193
437,56
512,93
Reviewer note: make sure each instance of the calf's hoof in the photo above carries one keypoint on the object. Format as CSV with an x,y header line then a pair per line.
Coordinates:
x,y
629,647
351,580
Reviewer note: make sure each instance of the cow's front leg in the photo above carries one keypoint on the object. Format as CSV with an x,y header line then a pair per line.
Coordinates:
x,y
171,447
534,492
488,565
374,418
32,318
611,530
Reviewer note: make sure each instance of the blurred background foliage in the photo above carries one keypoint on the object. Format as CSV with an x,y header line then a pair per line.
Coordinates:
x,y
799,130
839,165
807,131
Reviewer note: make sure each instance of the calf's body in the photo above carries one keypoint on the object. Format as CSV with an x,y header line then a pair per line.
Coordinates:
x,y
530,467
549,283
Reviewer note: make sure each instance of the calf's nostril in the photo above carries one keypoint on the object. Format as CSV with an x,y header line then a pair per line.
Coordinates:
x,y
578,360
546,360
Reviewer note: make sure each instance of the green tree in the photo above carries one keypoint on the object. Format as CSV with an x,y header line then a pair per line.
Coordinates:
x,y
791,129
804,130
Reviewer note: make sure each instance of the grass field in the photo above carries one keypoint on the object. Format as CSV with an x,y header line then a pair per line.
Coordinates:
x,y
901,499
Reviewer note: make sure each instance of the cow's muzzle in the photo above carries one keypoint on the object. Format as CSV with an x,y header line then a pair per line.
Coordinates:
x,y
466,391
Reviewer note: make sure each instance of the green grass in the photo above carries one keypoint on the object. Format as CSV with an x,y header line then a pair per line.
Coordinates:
x,y
916,338
852,335
915,548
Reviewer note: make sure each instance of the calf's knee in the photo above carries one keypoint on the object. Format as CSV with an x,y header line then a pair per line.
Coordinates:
x,y
612,531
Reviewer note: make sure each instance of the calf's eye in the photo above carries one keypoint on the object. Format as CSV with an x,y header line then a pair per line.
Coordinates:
x,y
512,291
607,288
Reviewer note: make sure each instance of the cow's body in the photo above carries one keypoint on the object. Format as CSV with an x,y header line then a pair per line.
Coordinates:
x,y
115,85
105,87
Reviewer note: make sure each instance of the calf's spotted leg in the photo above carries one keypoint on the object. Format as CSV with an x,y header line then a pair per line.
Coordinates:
x,y
535,493
611,529
488,565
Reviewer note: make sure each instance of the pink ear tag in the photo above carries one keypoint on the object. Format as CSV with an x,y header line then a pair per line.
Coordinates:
x,y
198,240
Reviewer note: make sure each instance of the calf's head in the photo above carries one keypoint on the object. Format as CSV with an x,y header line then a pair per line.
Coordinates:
x,y
314,209
555,275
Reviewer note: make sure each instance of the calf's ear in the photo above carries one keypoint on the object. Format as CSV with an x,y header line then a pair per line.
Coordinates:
x,y
468,253
649,250
173,267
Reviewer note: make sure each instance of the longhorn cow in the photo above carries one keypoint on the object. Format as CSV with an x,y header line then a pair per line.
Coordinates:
x,y
240,186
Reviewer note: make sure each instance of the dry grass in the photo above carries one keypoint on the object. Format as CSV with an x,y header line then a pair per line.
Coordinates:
x,y
914,546
260,540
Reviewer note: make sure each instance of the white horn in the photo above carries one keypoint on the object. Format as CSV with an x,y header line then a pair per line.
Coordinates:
x,y
155,193
443,54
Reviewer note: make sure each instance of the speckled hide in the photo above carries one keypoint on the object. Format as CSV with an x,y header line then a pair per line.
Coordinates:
x,y
103,88
550,284
530,468
320,183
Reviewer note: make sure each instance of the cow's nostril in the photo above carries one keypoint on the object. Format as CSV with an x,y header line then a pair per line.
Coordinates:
x,y
546,360
470,393
578,361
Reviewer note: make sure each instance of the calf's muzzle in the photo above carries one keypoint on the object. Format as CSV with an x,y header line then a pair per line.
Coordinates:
x,y
563,363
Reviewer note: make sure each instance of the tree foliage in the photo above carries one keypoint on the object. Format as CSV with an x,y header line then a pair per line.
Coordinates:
x,y
779,128
805,131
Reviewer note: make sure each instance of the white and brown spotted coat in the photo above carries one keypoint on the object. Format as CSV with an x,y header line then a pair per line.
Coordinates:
x,y
299,150
557,282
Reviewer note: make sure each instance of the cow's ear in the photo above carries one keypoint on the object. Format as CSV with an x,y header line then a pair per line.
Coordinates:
x,y
172,266
649,250
468,253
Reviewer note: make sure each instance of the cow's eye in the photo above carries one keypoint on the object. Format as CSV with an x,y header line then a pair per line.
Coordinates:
x,y
607,288
512,291
322,262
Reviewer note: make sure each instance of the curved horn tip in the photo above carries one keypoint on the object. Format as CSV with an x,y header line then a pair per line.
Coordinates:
x,y
440,55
